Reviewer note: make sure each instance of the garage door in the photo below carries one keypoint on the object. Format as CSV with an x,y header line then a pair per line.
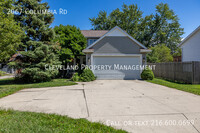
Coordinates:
x,y
120,67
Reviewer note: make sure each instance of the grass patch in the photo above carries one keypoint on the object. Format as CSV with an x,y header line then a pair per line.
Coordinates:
x,y
15,121
2,73
9,86
195,89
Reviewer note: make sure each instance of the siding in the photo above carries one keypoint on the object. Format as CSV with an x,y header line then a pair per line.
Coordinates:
x,y
121,45
191,48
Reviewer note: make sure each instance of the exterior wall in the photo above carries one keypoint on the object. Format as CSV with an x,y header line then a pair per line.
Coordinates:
x,y
191,48
119,44
88,59
116,32
144,59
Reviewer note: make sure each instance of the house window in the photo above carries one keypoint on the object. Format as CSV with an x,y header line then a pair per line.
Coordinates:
x,y
91,41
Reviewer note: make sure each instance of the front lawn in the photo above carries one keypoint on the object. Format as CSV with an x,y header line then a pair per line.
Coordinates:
x,y
195,89
28,122
9,86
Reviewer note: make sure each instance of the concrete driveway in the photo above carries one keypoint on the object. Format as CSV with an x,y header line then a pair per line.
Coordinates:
x,y
135,106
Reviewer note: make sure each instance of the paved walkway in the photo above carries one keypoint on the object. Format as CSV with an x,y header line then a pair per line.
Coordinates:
x,y
135,106
5,77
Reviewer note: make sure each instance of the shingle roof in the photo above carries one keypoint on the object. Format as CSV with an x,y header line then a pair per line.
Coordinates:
x,y
14,57
93,33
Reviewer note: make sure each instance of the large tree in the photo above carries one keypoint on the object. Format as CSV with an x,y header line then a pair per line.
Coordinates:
x,y
129,19
165,28
39,51
161,27
35,20
71,41
10,32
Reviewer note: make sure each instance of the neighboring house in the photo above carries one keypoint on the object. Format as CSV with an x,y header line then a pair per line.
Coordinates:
x,y
4,67
112,48
191,46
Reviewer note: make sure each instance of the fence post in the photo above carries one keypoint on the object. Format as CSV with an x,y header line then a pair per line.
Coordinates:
x,y
193,72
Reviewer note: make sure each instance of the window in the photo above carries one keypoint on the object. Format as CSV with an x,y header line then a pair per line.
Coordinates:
x,y
91,41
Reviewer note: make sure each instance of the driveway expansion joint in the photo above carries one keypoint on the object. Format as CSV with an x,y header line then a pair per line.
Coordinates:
x,y
190,122
84,95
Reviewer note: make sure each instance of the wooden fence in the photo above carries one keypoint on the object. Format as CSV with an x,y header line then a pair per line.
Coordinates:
x,y
188,72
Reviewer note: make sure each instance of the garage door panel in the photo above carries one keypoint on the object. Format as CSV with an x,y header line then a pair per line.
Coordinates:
x,y
116,74
99,60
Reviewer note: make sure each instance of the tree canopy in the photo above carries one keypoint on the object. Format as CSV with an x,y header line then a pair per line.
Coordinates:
x,y
38,50
10,32
151,30
72,42
36,24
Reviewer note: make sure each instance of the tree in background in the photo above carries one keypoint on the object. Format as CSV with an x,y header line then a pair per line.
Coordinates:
x,y
160,53
71,41
129,19
10,32
161,27
39,51
165,28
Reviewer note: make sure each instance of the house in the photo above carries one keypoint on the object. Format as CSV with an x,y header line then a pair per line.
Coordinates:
x,y
114,54
191,46
6,68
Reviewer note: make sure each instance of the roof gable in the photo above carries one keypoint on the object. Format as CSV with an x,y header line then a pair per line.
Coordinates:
x,y
117,31
189,36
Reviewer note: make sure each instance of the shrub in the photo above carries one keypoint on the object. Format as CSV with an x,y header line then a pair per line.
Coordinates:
x,y
36,65
2,73
160,53
147,74
75,77
85,76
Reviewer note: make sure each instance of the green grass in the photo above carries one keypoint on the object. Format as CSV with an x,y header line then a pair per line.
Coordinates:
x,y
9,86
28,122
195,89
2,73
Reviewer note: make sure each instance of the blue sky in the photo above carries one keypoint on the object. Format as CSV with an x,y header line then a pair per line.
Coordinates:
x,y
79,11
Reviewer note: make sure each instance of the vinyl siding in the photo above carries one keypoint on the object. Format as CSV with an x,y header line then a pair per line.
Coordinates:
x,y
121,45
191,48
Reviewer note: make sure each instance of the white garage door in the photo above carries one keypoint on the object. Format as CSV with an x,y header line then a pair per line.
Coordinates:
x,y
120,67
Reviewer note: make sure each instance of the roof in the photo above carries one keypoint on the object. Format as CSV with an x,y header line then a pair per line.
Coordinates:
x,y
93,33
190,35
14,57
123,32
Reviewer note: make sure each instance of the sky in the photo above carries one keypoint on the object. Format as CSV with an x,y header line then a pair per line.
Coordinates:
x,y
79,11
